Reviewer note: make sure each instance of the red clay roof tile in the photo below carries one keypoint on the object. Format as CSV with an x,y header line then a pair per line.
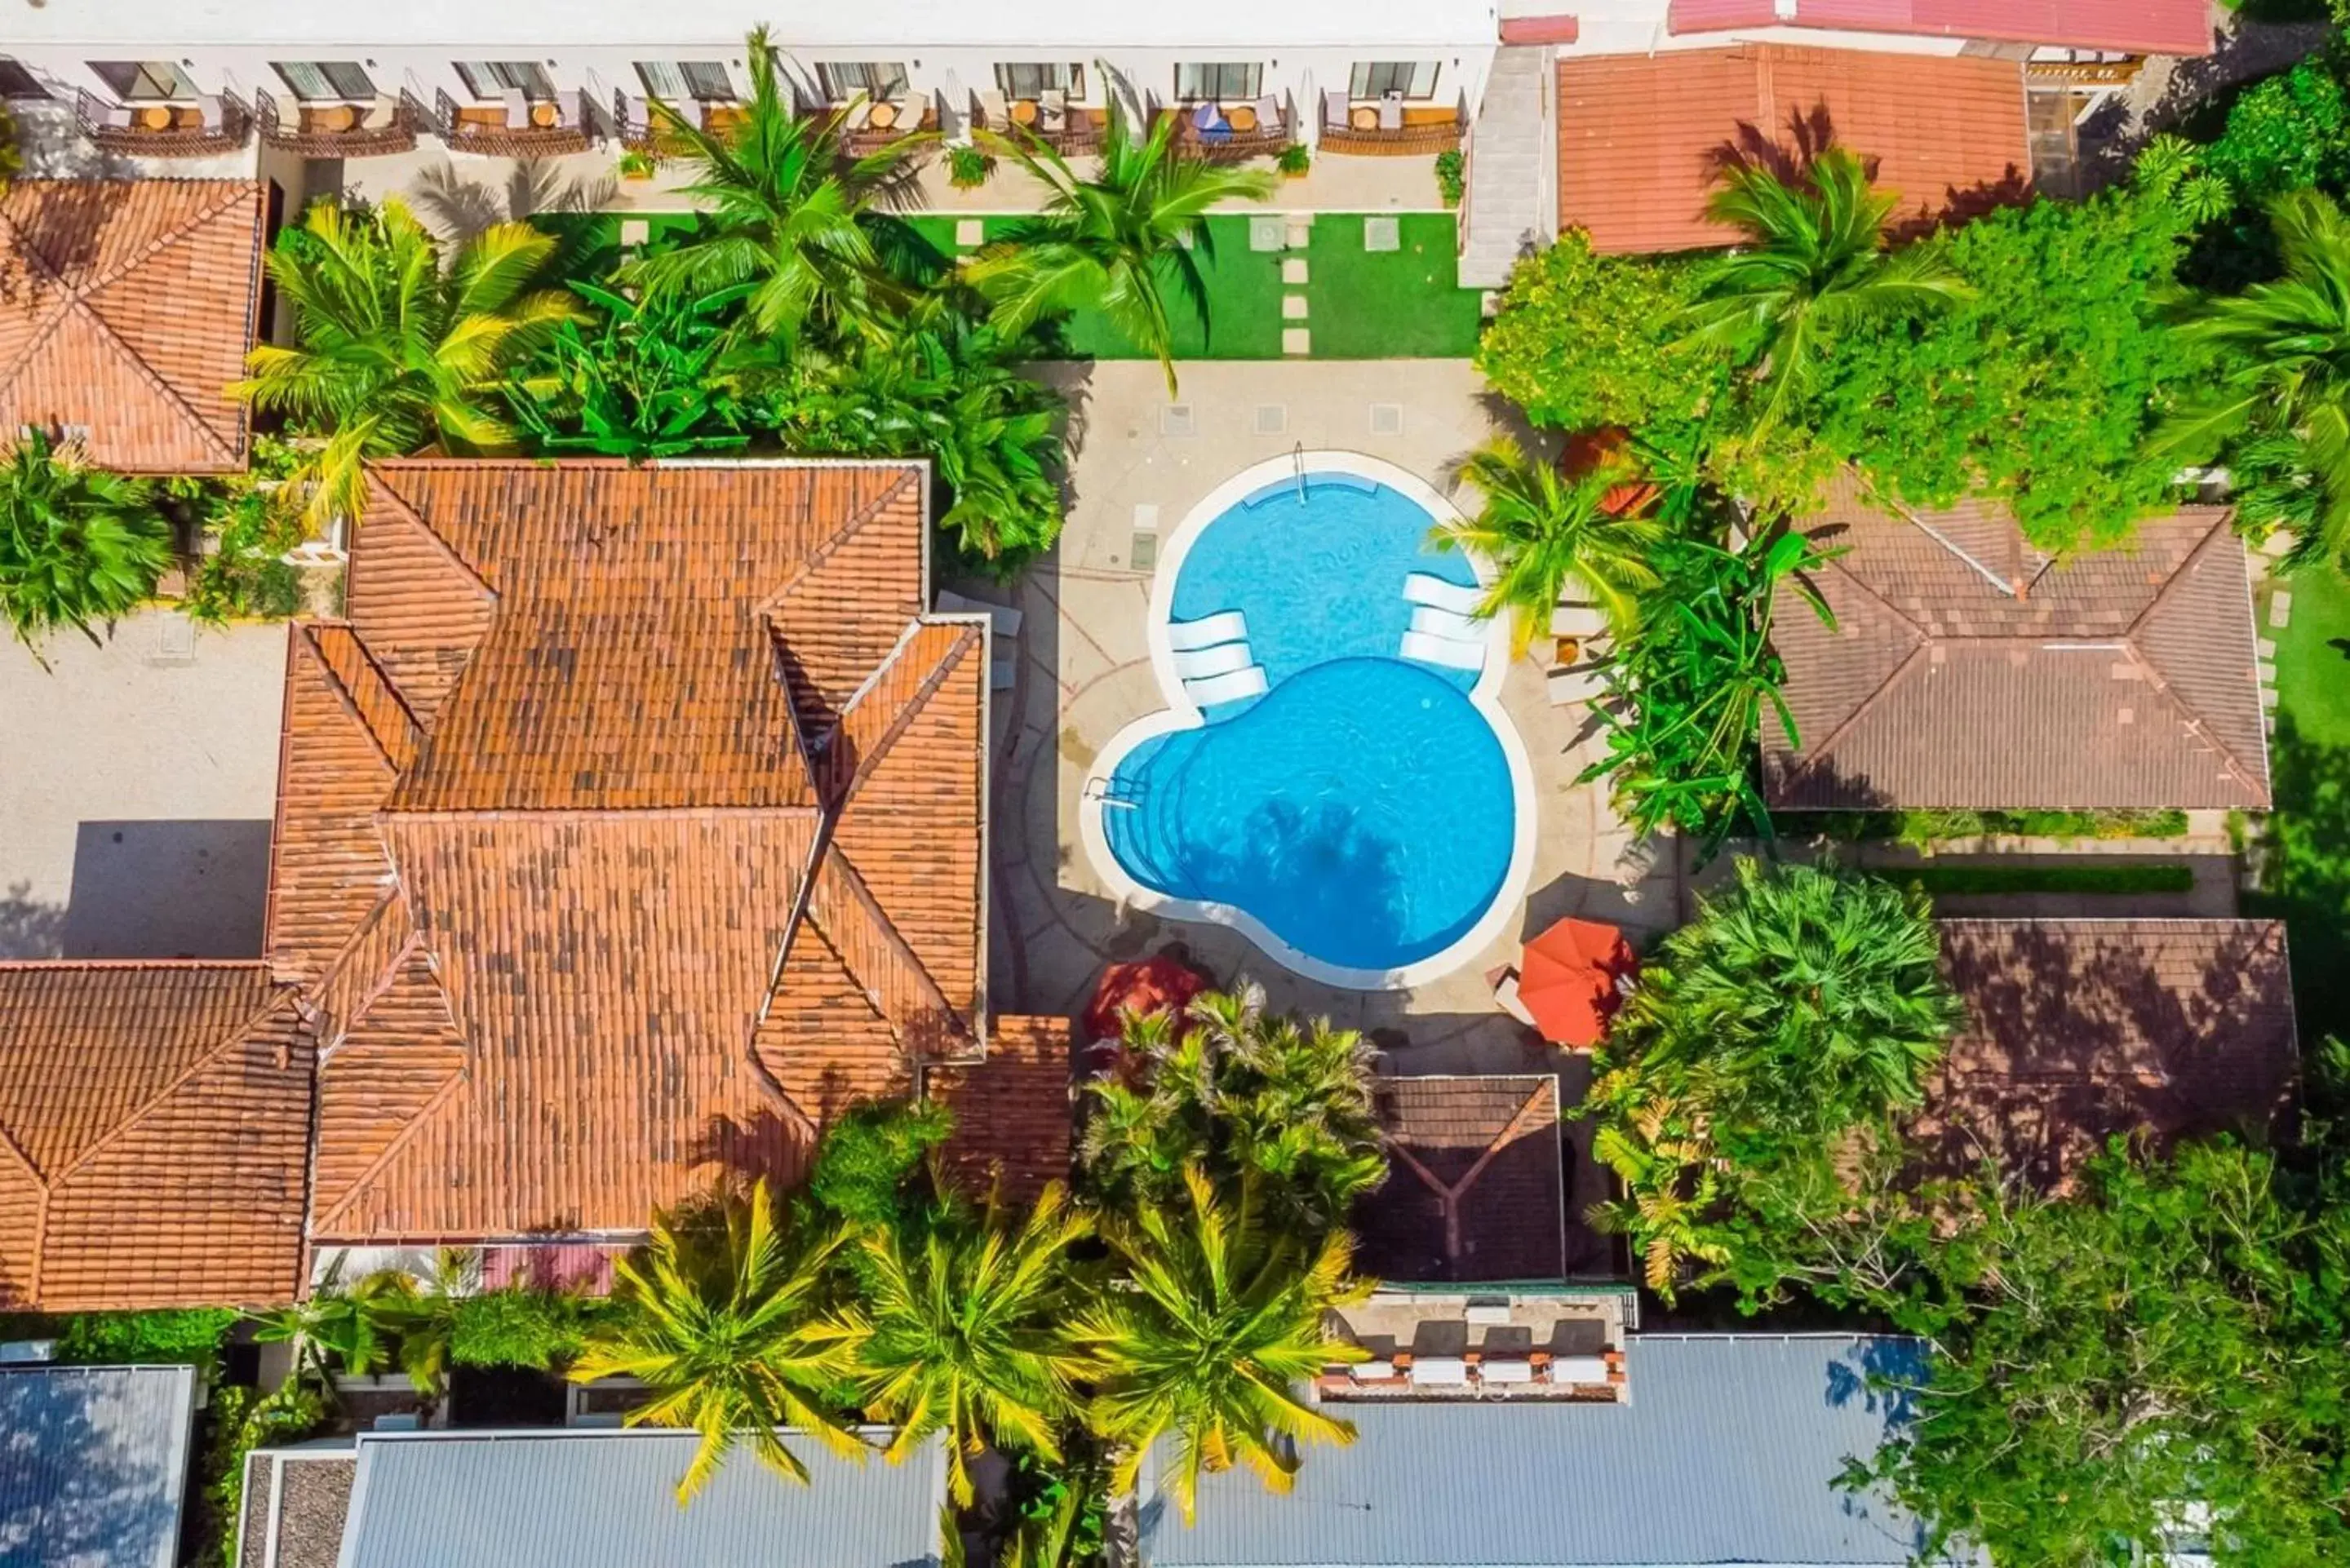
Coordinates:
x,y
131,303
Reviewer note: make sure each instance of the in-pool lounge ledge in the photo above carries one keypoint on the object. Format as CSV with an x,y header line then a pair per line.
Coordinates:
x,y
1439,807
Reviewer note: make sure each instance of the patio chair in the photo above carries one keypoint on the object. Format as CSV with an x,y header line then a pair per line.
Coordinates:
x,y
1451,624
212,111
518,104
994,112
1201,664
1209,124
1428,589
1425,649
1504,982
1268,116
1391,112
568,111
1334,109
115,117
1225,626
382,114
1053,108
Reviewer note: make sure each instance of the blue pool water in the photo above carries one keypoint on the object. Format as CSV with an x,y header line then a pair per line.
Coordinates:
x,y
1362,810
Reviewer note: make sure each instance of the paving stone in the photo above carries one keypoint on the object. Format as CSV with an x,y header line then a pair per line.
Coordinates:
x,y
2281,607
1293,307
1268,233
1296,340
635,230
1300,229
969,232
1293,271
1382,235
2265,646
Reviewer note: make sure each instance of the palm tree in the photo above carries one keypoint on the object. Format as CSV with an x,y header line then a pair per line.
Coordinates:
x,y
790,213
2283,349
958,1333
1111,242
1810,1000
1541,533
394,354
1817,263
77,543
720,1333
1223,1319
355,1327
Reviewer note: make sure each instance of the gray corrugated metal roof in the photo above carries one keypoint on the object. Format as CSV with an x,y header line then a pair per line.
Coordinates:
x,y
606,1499
1727,1452
93,1463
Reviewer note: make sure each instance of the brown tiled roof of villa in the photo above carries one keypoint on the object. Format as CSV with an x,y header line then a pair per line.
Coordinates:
x,y
154,1122
630,826
1476,1181
1642,137
2080,1030
1967,670
125,310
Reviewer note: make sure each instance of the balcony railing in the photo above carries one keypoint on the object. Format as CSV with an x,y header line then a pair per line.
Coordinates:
x,y
538,128
1388,127
211,125
1237,132
1069,129
906,116
339,130
641,130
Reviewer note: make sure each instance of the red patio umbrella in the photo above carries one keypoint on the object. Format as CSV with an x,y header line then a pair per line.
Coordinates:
x,y
1154,984
1566,980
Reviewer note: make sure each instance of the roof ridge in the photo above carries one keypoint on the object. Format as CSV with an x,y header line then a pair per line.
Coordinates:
x,y
615,812
885,930
944,669
147,373
830,546
380,485
399,1140
1807,757
1901,511
2188,715
2196,720
248,189
279,996
414,738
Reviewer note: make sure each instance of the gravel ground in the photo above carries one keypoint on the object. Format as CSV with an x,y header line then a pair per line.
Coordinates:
x,y
2169,88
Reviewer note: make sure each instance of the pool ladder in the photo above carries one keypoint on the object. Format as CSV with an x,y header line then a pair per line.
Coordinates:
x,y
1298,462
1106,792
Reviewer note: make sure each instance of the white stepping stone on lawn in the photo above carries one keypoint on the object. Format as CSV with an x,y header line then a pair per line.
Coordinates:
x,y
1301,230
2281,607
1293,307
1382,235
2265,647
1268,233
1293,271
970,234
636,231
1296,340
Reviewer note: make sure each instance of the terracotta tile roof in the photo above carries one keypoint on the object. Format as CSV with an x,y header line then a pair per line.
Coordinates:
x,y
127,308
1477,1184
589,907
1013,1112
2134,27
2078,1030
1640,137
1960,653
154,1119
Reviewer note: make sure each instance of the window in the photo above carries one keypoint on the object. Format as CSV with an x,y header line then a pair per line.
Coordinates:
x,y
1376,79
132,80
1033,81
675,81
876,80
330,81
1225,82
15,82
487,79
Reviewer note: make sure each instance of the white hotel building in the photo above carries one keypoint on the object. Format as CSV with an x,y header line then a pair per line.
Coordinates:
x,y
322,96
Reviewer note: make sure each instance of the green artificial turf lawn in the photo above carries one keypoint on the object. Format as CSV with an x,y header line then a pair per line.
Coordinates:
x,y
2312,673
1389,305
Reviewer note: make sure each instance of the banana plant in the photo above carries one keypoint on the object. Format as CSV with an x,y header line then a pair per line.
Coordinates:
x,y
653,376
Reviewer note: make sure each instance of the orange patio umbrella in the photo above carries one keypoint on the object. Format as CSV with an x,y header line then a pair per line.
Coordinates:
x,y
1566,980
1154,984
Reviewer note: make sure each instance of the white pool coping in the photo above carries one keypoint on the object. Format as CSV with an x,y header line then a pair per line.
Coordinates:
x,y
1182,714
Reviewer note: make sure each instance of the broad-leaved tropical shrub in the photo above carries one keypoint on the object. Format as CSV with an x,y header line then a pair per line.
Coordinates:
x,y
1584,340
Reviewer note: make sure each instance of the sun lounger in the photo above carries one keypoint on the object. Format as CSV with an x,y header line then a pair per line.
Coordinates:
x,y
1572,683
1203,663
1506,998
1506,1371
1391,112
1225,626
1372,1371
1577,620
1443,592
1237,686
1443,650
1451,624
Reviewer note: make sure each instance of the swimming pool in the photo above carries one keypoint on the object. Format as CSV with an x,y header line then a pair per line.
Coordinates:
x,y
1332,775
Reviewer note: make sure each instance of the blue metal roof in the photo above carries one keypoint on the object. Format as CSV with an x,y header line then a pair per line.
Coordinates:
x,y
93,1463
604,1498
1727,1452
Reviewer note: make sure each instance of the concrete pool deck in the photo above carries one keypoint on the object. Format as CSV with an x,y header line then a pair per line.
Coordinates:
x,y
1084,672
